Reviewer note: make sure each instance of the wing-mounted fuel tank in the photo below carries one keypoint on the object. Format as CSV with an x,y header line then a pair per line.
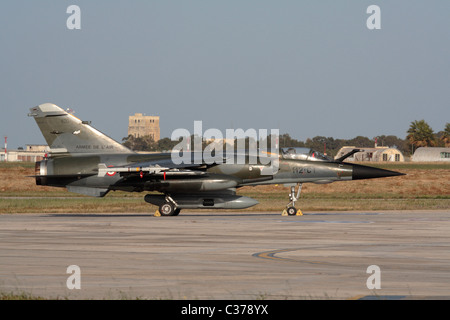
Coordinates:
x,y
203,201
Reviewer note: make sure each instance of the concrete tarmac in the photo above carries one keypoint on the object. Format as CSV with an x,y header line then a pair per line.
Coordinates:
x,y
228,255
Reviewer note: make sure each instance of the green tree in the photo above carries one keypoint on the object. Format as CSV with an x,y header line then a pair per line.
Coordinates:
x,y
145,143
420,134
285,140
393,142
322,144
445,136
165,144
361,142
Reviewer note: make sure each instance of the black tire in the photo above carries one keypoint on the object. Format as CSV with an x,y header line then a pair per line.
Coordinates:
x,y
167,209
177,211
291,211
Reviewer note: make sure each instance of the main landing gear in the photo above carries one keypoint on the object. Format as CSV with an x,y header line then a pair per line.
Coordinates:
x,y
290,208
168,208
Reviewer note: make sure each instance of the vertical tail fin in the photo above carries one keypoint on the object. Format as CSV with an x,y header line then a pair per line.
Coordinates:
x,y
66,133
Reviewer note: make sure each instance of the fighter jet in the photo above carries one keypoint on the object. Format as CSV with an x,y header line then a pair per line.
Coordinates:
x,y
88,162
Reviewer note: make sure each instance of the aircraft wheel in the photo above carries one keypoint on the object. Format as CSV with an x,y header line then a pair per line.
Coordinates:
x,y
291,211
167,209
177,211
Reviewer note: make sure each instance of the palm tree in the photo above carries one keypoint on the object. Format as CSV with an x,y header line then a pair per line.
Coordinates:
x,y
420,134
446,135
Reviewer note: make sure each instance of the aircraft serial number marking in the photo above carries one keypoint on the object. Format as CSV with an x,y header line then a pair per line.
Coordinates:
x,y
303,170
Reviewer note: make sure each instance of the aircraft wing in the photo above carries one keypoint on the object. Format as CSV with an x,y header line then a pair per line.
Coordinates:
x,y
155,168
152,170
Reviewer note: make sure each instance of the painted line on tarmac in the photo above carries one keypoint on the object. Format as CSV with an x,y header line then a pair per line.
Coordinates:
x,y
323,221
271,255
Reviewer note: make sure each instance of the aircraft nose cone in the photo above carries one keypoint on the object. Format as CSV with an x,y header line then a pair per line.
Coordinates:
x,y
365,172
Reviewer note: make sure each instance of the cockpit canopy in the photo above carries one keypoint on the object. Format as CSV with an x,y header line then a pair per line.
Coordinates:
x,y
303,154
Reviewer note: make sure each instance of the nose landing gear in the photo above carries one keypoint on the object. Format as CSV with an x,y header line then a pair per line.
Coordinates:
x,y
290,208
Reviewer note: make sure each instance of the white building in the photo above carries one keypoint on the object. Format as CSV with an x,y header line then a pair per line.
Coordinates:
x,y
32,153
377,154
427,154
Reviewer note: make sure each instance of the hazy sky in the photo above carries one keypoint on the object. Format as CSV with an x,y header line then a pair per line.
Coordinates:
x,y
307,68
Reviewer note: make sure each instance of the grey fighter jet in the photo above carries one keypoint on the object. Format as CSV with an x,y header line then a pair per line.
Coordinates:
x,y
88,162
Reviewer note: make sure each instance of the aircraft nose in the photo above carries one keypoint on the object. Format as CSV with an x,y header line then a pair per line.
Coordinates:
x,y
365,172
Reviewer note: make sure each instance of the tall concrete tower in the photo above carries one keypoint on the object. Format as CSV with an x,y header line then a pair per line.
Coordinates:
x,y
141,125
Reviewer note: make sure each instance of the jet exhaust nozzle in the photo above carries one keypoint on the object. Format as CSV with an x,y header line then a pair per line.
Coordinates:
x,y
40,171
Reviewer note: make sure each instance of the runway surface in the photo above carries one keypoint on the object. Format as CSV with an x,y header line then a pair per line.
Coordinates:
x,y
227,255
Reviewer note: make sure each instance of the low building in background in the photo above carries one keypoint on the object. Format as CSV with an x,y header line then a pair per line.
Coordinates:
x,y
32,153
373,154
431,154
